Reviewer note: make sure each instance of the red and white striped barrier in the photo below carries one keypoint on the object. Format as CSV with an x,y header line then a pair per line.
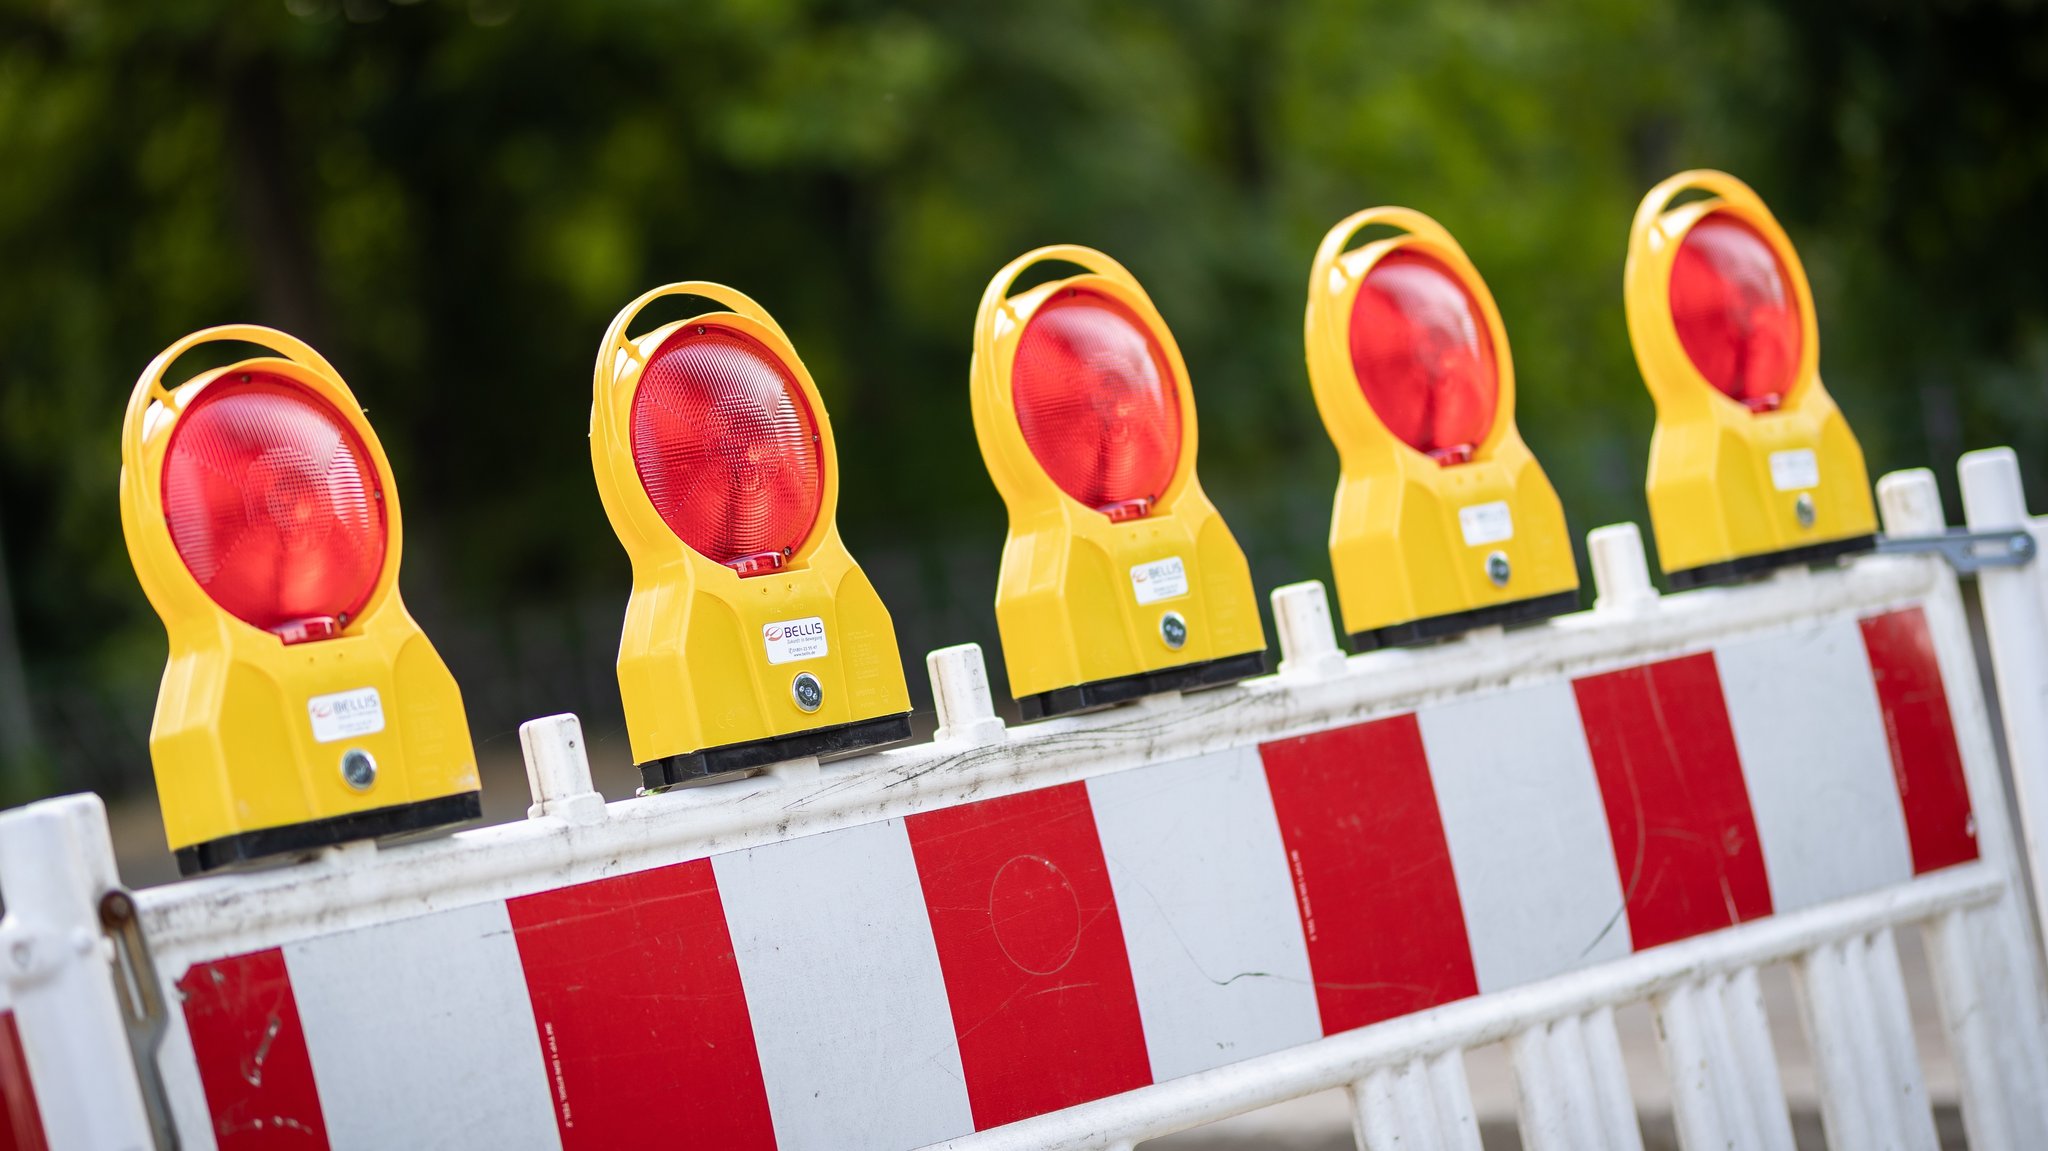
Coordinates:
x,y
898,983
1097,929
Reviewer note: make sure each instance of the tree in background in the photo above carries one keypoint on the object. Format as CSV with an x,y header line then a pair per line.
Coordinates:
x,y
451,199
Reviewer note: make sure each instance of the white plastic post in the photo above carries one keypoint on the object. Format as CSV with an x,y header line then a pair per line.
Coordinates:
x,y
1910,503
1455,1114
558,770
1610,1082
1376,1114
1621,572
2016,624
967,712
1755,1065
1571,1089
1308,641
1415,1103
1871,1090
1993,1030
1981,976
56,861
1418,1106
1699,1111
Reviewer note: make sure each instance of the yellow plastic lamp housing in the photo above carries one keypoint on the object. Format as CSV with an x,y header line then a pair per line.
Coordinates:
x,y
1752,467
1119,579
1443,520
751,637
301,706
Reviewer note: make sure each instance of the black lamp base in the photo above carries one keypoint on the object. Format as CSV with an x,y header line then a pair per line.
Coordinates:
x,y
301,838
1124,688
823,742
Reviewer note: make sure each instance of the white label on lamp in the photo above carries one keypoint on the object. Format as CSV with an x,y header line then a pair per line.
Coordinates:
x,y
1795,471
794,639
1486,523
346,714
1158,580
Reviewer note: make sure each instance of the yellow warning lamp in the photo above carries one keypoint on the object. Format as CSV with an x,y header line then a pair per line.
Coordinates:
x,y
1119,579
301,706
1752,466
752,637
1444,521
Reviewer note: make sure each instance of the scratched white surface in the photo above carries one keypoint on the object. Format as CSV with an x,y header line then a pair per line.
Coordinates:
x,y
1527,833
843,982
426,1018
1200,874
1811,735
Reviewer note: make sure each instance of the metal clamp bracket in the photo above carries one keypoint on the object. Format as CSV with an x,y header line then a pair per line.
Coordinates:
x,y
1966,551
142,1009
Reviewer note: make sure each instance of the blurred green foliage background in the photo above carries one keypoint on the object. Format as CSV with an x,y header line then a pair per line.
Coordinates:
x,y
452,198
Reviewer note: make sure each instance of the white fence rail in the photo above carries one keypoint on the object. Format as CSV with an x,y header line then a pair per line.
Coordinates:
x,y
1099,930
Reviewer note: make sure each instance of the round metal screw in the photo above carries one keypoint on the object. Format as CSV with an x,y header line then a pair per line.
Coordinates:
x,y
808,693
358,768
1497,569
1173,630
1803,509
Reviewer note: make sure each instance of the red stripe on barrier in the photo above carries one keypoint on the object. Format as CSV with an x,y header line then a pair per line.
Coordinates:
x,y
21,1123
643,1021
1922,737
1685,838
251,1051
1372,871
1032,951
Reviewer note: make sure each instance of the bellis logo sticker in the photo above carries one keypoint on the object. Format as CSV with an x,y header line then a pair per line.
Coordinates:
x,y
790,640
346,714
1158,580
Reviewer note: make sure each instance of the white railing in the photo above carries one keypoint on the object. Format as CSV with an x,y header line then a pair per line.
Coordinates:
x,y
1408,1082
2015,602
1406,1074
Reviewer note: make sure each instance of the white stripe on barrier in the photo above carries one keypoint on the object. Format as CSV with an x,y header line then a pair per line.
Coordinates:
x,y
843,983
1528,834
1216,949
426,1018
1811,737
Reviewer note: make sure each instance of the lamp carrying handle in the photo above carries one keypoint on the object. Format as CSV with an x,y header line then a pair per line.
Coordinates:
x,y
996,299
149,387
1721,185
617,343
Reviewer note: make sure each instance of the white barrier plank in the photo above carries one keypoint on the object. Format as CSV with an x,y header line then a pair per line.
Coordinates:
x,y
1216,948
423,1025
1528,834
849,1007
1812,741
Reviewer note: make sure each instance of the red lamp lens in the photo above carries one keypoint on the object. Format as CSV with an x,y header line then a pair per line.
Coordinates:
x,y
1097,403
727,449
1732,304
1424,356
275,506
